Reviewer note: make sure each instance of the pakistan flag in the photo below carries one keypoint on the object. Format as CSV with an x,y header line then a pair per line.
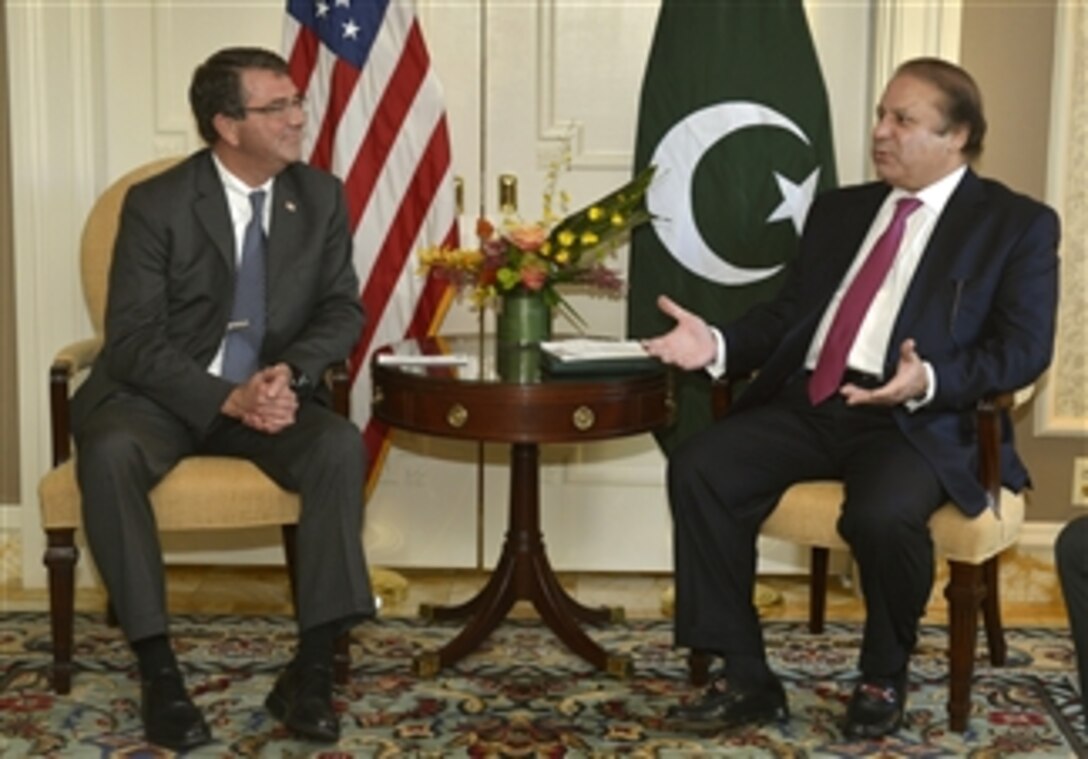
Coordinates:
x,y
734,115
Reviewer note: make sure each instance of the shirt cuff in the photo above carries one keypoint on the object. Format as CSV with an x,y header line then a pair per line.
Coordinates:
x,y
716,368
931,390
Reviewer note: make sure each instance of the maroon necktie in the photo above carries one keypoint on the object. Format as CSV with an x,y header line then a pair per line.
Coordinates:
x,y
831,362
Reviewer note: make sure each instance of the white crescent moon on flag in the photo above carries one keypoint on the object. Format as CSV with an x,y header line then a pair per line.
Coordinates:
x,y
668,197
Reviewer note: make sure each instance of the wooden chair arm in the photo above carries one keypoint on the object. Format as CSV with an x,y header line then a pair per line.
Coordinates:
x,y
988,428
721,393
338,381
69,361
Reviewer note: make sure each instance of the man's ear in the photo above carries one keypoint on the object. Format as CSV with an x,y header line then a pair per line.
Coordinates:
x,y
957,138
227,128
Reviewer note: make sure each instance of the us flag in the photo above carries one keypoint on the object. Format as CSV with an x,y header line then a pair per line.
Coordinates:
x,y
376,119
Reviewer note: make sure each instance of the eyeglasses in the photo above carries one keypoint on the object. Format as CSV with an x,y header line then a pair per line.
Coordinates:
x,y
279,108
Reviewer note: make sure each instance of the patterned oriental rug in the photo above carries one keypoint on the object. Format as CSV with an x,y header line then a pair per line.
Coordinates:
x,y
522,694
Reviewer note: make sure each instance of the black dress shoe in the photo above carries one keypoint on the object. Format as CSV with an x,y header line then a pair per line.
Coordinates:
x,y
723,706
302,700
171,720
876,708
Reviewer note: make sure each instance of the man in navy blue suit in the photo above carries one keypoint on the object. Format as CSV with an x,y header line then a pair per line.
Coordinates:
x,y
966,309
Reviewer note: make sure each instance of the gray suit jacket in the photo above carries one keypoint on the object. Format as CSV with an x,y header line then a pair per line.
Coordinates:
x,y
171,287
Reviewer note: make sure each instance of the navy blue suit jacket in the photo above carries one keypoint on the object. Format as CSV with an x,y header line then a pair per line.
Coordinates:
x,y
981,308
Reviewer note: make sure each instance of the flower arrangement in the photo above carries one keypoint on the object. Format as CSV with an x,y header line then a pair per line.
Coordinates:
x,y
537,256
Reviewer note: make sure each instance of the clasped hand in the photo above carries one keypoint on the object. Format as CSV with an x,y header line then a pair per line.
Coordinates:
x,y
265,401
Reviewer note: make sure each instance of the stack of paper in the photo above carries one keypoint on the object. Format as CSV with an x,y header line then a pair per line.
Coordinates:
x,y
582,355
588,349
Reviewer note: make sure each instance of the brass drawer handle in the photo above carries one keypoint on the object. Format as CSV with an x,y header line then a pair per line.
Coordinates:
x,y
457,416
583,418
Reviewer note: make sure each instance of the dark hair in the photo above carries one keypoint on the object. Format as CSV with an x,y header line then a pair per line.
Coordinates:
x,y
962,104
217,85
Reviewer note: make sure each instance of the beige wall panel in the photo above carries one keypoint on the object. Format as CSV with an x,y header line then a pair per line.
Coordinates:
x,y
1010,48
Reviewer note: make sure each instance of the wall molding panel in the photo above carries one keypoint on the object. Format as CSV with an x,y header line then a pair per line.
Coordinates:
x,y
54,166
1063,407
906,29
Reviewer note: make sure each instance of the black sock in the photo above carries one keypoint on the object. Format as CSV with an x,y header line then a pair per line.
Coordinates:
x,y
153,655
315,645
747,671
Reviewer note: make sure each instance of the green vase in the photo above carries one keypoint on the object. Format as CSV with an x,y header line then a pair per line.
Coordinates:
x,y
524,321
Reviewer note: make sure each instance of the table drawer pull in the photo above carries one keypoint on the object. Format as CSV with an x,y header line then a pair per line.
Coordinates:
x,y
583,418
457,416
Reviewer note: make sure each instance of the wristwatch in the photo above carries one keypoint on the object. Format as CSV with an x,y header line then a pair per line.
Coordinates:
x,y
300,381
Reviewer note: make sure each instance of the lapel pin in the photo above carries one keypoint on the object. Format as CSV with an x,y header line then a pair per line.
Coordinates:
x,y
290,206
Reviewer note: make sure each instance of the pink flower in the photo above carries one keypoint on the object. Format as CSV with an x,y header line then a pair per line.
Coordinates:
x,y
534,278
528,236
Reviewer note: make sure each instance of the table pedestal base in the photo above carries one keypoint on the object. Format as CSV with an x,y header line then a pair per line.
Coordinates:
x,y
523,573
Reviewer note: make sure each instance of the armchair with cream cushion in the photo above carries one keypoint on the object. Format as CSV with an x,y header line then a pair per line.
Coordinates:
x,y
200,493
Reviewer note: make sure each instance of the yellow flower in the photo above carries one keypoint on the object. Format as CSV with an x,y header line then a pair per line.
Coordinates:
x,y
562,256
565,238
617,219
595,213
590,238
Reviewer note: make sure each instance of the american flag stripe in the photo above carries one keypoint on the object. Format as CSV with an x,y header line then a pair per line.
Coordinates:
x,y
395,256
378,122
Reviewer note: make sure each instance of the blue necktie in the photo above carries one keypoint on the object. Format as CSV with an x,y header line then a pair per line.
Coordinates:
x,y
245,332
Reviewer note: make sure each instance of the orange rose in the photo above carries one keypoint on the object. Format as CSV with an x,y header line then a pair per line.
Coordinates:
x,y
484,229
528,236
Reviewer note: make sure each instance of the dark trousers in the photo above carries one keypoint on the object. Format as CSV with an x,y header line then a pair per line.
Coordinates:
x,y
1071,556
725,481
129,443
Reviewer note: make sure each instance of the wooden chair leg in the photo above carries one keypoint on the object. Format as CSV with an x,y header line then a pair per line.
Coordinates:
x,y
965,592
698,667
60,559
991,612
817,589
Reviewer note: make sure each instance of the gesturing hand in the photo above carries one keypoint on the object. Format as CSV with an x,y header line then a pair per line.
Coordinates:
x,y
689,345
910,382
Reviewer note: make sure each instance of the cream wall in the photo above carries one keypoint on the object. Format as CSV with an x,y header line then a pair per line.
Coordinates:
x,y
1011,48
9,398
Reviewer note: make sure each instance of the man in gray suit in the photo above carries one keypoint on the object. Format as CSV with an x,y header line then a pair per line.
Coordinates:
x,y
206,355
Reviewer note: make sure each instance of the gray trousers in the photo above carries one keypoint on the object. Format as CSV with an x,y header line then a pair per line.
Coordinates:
x,y
129,443
1071,557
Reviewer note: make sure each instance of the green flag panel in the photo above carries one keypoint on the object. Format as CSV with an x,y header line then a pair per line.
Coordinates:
x,y
734,116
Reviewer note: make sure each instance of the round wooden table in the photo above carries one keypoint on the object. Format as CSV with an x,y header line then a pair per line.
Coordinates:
x,y
470,402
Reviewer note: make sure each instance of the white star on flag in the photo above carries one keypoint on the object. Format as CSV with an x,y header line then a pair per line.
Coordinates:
x,y
796,199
